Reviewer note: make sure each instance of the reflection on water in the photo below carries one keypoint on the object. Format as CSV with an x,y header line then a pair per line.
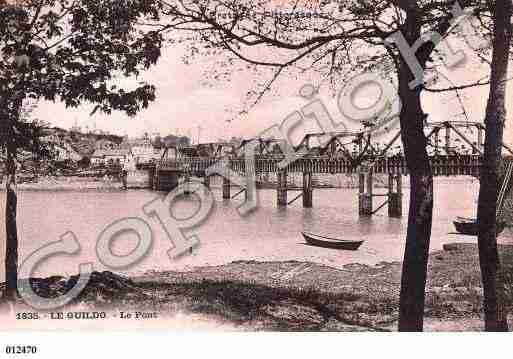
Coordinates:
x,y
268,234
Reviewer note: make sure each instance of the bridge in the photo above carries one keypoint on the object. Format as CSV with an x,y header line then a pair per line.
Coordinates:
x,y
455,148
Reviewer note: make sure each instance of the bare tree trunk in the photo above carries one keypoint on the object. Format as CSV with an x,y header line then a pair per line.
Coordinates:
x,y
493,285
416,255
11,251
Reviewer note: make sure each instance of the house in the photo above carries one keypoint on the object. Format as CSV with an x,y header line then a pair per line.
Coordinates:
x,y
104,144
143,150
65,152
62,147
109,156
51,138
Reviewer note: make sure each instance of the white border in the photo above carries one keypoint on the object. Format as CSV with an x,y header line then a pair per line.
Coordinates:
x,y
210,345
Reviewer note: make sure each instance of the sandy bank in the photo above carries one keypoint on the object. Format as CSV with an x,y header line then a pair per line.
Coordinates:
x,y
293,295
81,184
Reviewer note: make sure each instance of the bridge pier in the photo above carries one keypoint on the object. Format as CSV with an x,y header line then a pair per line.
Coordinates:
x,y
249,194
307,190
282,188
365,184
437,140
206,183
151,177
166,180
226,188
447,140
395,198
187,182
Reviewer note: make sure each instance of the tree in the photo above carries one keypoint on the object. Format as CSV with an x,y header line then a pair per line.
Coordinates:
x,y
69,51
84,162
493,285
350,38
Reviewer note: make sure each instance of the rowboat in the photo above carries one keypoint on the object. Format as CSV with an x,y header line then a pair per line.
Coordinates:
x,y
327,242
470,227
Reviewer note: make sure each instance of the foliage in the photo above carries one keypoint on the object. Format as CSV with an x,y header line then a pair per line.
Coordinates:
x,y
72,51
85,162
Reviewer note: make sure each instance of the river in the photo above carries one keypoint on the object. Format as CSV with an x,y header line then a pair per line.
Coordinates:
x,y
267,234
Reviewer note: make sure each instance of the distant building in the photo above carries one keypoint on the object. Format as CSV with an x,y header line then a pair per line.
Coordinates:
x,y
61,147
101,132
64,152
104,144
236,141
51,138
154,135
109,156
144,151
176,141
76,129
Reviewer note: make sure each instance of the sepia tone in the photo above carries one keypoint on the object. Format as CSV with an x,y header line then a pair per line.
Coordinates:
x,y
256,165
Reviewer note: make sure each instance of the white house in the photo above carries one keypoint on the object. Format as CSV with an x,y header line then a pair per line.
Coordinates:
x,y
109,156
143,150
65,152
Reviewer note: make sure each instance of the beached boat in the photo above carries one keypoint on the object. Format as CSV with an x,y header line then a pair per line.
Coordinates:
x,y
327,242
469,226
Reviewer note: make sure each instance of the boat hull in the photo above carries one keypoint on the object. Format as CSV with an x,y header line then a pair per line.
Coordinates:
x,y
471,228
332,243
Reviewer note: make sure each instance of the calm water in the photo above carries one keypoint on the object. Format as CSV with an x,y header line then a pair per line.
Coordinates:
x,y
268,234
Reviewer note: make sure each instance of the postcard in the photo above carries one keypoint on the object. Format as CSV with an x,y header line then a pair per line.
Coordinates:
x,y
254,166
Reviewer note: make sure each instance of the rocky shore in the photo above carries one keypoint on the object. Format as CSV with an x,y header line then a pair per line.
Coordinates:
x,y
294,295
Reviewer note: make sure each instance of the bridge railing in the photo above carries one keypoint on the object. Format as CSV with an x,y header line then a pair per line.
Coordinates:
x,y
442,165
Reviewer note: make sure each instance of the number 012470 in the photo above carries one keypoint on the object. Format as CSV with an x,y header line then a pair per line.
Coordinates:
x,y
20,349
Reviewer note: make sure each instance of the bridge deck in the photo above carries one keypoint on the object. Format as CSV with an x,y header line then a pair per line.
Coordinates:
x,y
444,165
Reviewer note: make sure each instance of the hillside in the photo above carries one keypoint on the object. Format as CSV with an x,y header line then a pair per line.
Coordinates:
x,y
83,143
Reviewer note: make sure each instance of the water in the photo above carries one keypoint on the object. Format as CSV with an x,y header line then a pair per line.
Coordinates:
x,y
268,234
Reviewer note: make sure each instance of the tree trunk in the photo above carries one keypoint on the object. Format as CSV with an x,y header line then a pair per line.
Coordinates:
x,y
493,284
416,255
11,250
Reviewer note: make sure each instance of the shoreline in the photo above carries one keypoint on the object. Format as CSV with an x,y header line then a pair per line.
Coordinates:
x,y
74,183
292,295
82,184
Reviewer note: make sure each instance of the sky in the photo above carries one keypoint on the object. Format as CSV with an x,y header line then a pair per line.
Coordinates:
x,y
187,105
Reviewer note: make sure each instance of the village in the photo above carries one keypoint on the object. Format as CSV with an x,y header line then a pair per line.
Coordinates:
x,y
93,153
